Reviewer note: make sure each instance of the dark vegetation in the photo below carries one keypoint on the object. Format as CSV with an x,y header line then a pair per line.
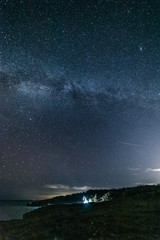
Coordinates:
x,y
132,213
140,192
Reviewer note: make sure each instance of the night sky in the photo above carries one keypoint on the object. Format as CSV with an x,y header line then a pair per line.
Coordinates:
x,y
79,96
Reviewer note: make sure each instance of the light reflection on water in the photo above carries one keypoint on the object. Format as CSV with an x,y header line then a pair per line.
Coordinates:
x,y
14,209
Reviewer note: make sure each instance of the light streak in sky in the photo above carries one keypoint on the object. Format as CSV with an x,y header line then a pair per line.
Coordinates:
x,y
130,144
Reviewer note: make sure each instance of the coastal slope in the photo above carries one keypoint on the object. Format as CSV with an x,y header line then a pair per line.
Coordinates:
x,y
125,217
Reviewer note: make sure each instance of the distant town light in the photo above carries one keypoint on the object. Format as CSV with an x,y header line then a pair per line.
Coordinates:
x,y
85,201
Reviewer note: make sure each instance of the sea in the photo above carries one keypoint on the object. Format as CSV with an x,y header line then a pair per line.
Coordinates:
x,y
14,209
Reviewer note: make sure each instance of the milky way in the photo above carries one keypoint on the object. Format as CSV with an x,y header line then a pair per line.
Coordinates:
x,y
78,79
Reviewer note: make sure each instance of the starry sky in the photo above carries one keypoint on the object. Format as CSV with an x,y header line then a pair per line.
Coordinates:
x,y
79,96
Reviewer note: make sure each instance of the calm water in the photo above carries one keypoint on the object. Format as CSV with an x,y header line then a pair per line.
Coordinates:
x,y
14,209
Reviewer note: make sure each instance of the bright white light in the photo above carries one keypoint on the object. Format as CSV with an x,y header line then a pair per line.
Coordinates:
x,y
85,200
